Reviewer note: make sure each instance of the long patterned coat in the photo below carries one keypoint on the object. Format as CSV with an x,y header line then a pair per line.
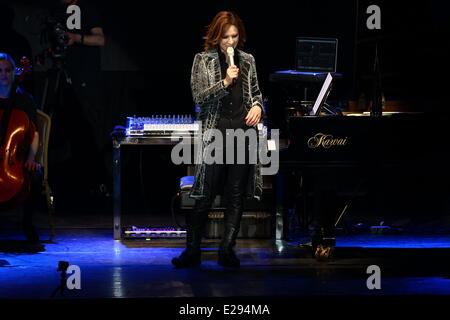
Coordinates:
x,y
208,90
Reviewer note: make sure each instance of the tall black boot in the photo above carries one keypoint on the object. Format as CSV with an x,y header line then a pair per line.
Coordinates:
x,y
195,222
234,194
233,216
227,256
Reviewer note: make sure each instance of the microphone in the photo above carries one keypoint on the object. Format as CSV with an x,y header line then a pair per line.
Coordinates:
x,y
230,52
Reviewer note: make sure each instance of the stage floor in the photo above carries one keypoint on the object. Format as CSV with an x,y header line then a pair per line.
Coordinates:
x,y
409,264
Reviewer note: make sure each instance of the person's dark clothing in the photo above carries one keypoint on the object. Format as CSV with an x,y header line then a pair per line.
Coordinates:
x,y
233,176
232,116
81,135
83,63
229,106
21,100
29,206
233,113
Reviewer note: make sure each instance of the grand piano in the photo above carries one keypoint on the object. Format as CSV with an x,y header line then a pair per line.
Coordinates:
x,y
338,152
352,148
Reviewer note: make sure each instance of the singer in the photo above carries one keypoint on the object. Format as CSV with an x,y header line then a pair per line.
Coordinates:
x,y
225,86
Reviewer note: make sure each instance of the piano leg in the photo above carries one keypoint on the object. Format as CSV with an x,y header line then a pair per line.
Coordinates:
x,y
325,210
301,202
290,193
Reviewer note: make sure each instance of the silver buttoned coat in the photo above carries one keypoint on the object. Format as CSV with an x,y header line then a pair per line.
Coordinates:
x,y
208,90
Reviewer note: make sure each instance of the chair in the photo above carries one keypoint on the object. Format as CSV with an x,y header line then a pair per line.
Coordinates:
x,y
43,128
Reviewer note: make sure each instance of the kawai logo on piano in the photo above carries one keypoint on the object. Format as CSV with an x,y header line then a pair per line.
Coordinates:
x,y
325,141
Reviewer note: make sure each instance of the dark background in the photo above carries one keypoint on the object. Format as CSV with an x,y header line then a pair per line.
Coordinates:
x,y
150,47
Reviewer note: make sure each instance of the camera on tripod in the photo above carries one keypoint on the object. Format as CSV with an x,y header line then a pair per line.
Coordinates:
x,y
57,37
54,39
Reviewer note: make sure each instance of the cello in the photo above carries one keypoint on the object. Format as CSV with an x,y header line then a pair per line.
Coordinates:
x,y
16,135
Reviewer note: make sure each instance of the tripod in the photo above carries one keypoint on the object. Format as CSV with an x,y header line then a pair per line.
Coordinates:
x,y
51,98
56,77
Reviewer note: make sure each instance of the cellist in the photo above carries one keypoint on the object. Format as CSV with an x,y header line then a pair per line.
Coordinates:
x,y
15,97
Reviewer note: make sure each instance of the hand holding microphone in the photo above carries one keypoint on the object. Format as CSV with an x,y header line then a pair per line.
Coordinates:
x,y
232,71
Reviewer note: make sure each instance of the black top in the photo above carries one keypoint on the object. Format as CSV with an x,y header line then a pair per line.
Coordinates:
x,y
83,62
233,113
23,101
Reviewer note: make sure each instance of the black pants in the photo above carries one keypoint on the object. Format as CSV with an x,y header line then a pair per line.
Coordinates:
x,y
232,180
30,204
234,177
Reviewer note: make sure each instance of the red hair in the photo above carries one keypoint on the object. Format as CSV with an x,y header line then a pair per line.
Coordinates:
x,y
220,24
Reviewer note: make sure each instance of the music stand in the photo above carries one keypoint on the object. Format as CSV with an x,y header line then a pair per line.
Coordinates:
x,y
320,102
